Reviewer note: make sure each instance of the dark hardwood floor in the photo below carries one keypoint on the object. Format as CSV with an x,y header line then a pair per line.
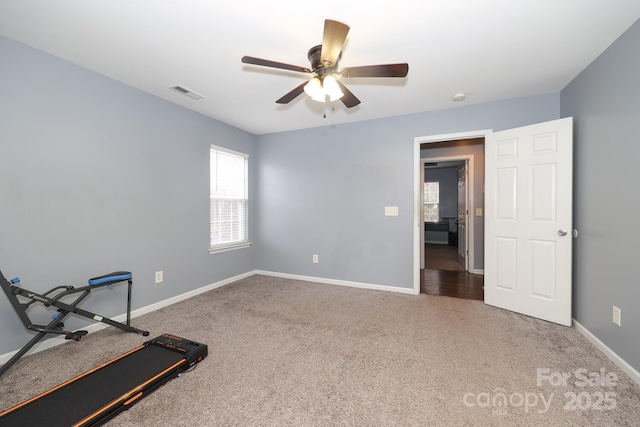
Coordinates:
x,y
441,257
458,284
451,283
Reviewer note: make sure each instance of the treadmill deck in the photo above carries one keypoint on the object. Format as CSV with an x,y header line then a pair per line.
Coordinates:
x,y
101,393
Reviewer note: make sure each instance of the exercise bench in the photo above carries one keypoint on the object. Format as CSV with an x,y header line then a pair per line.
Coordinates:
x,y
52,298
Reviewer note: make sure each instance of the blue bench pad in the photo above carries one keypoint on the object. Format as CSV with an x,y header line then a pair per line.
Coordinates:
x,y
116,276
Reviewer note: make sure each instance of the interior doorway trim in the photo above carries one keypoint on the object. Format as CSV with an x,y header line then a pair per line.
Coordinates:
x,y
417,187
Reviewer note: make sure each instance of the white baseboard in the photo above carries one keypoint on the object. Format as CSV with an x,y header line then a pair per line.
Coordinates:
x,y
619,361
478,271
94,327
186,295
360,285
437,242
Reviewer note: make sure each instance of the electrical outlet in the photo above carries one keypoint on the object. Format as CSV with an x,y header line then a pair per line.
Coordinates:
x,y
159,276
315,258
617,316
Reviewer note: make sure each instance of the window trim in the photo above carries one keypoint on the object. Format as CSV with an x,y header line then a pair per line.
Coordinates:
x,y
230,247
225,247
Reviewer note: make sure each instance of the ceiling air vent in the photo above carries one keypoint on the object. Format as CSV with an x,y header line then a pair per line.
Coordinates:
x,y
427,164
186,92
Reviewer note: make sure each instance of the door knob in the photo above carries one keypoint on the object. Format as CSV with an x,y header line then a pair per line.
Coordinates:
x,y
562,232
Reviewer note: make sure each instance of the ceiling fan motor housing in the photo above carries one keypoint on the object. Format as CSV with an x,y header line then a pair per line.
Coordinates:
x,y
316,64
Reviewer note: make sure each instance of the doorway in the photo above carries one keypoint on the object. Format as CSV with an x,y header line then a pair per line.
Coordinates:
x,y
447,187
463,152
445,210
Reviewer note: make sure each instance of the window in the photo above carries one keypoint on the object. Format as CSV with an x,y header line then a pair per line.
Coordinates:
x,y
229,200
431,200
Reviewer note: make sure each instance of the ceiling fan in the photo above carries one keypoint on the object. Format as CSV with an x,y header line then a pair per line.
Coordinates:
x,y
324,60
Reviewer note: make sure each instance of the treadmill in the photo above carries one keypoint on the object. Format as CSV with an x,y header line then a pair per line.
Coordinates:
x,y
96,396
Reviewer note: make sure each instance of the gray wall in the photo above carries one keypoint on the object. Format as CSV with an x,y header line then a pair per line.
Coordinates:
x,y
96,177
473,147
323,191
605,103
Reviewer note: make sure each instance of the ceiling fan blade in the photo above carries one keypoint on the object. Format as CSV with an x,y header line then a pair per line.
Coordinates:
x,y
335,34
348,99
387,70
274,64
292,95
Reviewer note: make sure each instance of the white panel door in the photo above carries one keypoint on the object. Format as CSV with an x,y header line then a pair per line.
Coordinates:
x,y
528,222
462,217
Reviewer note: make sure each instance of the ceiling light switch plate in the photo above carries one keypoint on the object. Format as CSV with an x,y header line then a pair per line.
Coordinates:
x,y
390,211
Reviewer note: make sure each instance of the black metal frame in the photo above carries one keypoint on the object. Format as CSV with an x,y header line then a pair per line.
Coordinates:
x,y
51,298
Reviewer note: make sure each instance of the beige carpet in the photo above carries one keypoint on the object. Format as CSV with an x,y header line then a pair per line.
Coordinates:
x,y
292,353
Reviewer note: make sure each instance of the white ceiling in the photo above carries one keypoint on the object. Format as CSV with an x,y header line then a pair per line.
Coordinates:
x,y
490,49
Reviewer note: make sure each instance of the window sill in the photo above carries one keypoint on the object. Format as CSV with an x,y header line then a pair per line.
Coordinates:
x,y
228,248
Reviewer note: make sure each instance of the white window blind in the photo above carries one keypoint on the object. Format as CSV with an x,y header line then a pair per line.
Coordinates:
x,y
431,200
229,208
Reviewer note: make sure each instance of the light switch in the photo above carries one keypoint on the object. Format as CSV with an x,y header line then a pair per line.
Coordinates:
x,y
478,211
390,211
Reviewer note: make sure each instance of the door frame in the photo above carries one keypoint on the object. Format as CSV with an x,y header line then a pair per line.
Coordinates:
x,y
469,236
418,173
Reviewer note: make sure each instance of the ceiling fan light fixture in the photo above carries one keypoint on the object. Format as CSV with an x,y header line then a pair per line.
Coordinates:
x,y
314,89
320,97
331,88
